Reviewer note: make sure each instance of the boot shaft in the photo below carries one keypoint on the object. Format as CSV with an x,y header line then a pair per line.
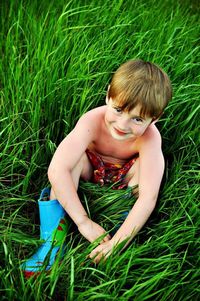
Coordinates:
x,y
51,216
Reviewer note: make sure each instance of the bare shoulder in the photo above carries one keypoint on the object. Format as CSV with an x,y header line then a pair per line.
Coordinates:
x,y
94,114
150,146
91,120
151,137
84,132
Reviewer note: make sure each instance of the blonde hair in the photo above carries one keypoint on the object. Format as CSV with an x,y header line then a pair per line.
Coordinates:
x,y
137,82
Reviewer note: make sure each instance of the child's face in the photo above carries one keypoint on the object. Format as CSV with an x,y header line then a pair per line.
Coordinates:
x,y
125,125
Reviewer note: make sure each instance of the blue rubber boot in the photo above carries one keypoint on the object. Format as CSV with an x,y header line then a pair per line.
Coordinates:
x,y
53,229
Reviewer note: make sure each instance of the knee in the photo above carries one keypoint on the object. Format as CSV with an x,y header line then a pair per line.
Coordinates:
x,y
133,179
133,174
86,168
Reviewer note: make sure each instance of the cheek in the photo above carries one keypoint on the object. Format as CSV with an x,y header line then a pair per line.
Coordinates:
x,y
109,116
138,130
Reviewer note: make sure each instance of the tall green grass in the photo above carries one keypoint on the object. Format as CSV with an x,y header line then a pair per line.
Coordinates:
x,y
56,61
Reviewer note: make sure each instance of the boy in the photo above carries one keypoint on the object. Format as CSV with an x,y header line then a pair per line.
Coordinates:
x,y
115,143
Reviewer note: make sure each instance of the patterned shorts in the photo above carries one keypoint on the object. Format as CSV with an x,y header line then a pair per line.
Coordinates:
x,y
109,173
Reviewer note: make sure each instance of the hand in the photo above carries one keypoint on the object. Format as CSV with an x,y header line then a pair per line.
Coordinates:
x,y
91,231
101,251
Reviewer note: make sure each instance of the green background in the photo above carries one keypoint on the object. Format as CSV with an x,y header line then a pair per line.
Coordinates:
x,y
57,58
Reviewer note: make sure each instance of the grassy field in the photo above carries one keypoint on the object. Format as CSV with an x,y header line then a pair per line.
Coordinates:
x,y
57,58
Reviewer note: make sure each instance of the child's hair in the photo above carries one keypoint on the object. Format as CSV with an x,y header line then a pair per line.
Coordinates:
x,y
137,82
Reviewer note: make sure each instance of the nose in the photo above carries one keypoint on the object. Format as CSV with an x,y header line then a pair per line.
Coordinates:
x,y
123,123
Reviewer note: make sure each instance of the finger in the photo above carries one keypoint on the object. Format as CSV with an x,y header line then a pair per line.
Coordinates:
x,y
92,255
100,257
107,238
95,252
97,258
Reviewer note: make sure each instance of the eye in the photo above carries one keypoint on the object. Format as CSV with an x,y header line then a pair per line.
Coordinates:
x,y
117,109
137,120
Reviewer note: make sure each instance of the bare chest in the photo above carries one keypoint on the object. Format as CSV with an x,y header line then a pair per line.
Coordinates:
x,y
112,150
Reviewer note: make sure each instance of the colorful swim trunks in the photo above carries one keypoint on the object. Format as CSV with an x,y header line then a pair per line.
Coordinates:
x,y
109,173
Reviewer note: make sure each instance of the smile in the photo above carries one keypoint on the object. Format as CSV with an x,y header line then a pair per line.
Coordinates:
x,y
120,133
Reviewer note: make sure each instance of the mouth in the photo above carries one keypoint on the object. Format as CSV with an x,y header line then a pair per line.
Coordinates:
x,y
120,133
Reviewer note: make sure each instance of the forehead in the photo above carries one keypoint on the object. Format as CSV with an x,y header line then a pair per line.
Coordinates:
x,y
134,112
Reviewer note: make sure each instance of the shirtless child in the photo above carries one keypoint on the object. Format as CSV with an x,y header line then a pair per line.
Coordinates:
x,y
120,133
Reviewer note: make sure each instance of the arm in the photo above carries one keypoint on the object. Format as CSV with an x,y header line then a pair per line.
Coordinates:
x,y
64,160
151,168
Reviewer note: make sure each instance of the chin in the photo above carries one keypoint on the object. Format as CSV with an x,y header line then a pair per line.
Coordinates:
x,y
121,138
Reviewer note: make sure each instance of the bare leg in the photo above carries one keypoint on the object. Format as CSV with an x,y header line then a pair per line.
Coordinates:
x,y
83,169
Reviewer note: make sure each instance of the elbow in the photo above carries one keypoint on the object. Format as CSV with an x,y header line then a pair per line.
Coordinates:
x,y
152,203
149,208
56,174
51,174
148,204
152,206
149,200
